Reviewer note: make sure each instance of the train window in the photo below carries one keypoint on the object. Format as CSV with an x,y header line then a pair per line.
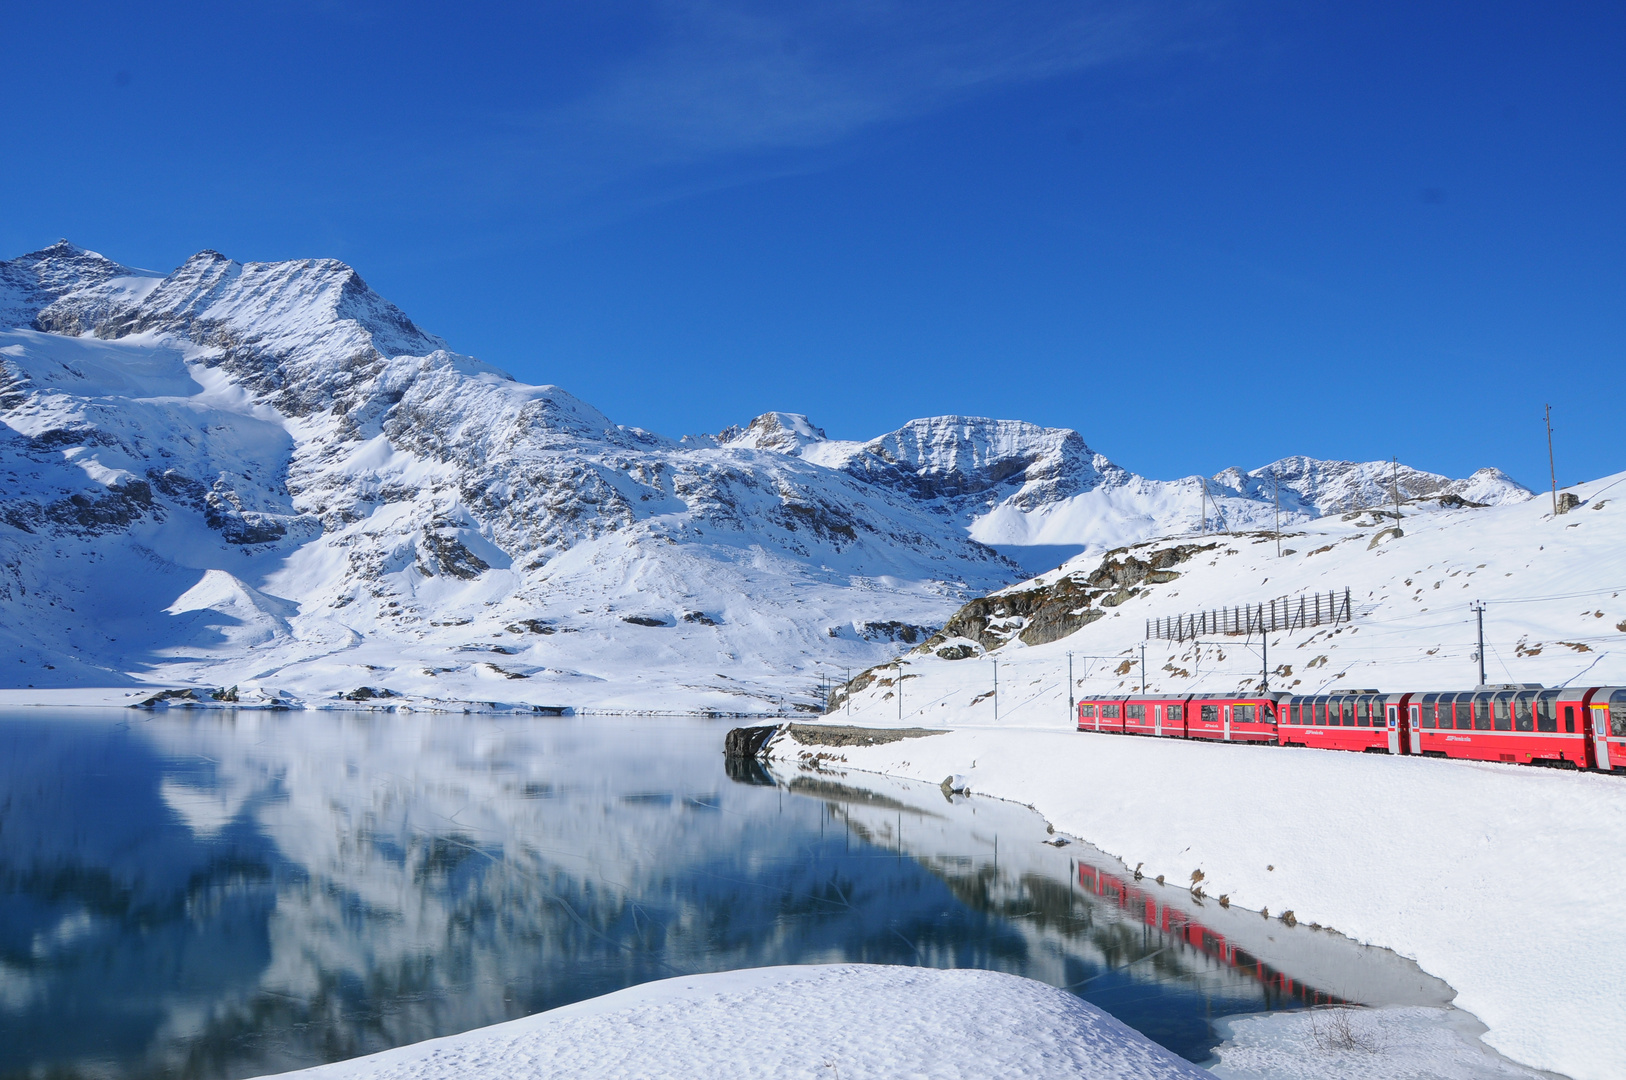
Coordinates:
x,y
1524,713
1293,713
1086,710
1482,712
1210,714
1349,713
1617,713
1504,712
1546,720
1374,712
1109,712
1428,716
1175,713
1318,714
1569,719
1135,712
1243,714
1465,712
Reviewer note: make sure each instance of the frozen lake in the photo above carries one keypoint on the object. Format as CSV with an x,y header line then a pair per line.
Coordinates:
x,y
230,894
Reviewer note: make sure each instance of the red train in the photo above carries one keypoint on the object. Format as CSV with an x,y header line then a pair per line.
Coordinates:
x,y
1581,728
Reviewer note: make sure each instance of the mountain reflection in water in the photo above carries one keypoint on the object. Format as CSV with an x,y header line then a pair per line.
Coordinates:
x,y
231,894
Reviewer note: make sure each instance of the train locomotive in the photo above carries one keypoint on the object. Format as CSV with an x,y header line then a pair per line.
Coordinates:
x,y
1572,728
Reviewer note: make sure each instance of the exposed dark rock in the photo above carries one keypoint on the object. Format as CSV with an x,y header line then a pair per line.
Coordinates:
x,y
644,620
369,693
893,630
747,742
699,617
441,553
1049,612
533,626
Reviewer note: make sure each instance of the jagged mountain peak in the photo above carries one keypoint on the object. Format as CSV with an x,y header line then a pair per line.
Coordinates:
x,y
788,433
968,464
33,282
1331,487
283,303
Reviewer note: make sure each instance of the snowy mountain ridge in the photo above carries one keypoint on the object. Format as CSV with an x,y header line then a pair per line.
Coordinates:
x,y
266,473
1013,484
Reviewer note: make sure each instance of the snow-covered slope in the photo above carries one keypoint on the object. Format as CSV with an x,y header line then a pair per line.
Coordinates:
x,y
1554,589
1040,495
265,473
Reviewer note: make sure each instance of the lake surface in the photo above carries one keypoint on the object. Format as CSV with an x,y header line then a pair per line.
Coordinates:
x,y
224,895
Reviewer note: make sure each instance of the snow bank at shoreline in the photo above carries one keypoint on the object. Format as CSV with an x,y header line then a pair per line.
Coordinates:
x,y
823,1021
1359,1044
1505,881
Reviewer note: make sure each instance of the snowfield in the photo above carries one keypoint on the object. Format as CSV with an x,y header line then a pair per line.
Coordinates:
x,y
1502,880
849,1020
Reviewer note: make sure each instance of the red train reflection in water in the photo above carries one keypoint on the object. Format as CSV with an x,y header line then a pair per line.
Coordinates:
x,y
1190,933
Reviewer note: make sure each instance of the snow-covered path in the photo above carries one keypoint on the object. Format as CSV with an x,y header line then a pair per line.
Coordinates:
x,y
1505,881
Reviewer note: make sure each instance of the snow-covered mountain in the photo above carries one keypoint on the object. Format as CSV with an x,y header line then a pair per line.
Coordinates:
x,y
266,474
1040,495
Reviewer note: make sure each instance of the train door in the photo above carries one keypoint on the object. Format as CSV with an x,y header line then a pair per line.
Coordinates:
x,y
1394,729
1600,734
1414,730
1227,709
1157,719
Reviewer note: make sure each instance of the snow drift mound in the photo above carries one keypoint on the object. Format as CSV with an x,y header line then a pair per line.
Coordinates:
x,y
837,1020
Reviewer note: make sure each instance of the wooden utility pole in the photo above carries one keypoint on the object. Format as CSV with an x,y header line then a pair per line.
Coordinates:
x,y
1479,610
1394,486
1551,468
1264,650
1204,482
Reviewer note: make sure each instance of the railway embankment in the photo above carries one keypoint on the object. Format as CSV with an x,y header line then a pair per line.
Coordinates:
x,y
1503,880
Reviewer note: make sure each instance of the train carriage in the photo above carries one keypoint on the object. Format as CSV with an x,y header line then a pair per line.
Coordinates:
x,y
1232,719
1523,725
1348,721
1607,726
1101,714
1156,714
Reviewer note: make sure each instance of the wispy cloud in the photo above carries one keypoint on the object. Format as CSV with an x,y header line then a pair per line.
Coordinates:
x,y
723,79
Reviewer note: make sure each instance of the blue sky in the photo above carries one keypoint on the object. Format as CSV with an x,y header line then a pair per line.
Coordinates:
x,y
1201,233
